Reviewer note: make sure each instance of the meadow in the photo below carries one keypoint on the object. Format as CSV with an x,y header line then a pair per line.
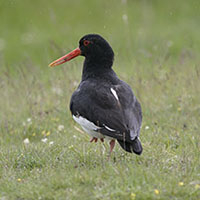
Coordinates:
x,y
44,154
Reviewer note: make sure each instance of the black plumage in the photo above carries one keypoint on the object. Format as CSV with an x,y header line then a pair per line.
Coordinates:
x,y
104,105
94,100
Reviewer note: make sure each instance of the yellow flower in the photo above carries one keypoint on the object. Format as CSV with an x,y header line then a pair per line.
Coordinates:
x,y
33,134
156,191
179,109
48,133
43,132
197,186
19,179
180,183
133,195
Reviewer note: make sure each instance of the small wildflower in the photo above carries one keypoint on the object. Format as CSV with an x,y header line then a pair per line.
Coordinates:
x,y
50,143
146,127
133,195
75,83
57,90
43,132
28,120
19,179
44,140
71,146
61,127
125,18
179,109
197,186
180,183
34,134
156,191
26,141
48,133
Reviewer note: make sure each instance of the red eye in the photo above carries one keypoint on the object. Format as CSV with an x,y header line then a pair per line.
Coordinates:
x,y
86,42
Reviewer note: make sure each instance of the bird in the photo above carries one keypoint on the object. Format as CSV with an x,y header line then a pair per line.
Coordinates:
x,y
103,105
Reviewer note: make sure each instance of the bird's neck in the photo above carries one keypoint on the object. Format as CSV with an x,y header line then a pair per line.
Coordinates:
x,y
96,69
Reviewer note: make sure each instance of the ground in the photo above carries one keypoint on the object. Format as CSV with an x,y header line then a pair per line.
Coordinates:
x,y
43,152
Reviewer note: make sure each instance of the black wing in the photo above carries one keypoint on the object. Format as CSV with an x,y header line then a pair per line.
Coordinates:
x,y
118,116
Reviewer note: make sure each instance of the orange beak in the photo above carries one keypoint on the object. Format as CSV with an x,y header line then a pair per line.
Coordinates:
x,y
63,59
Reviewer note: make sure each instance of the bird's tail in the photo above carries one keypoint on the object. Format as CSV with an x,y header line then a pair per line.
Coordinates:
x,y
135,146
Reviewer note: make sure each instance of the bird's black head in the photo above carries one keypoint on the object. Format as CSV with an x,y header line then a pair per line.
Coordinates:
x,y
96,50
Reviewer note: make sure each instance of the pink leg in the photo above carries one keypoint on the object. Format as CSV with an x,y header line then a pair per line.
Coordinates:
x,y
94,139
102,140
112,145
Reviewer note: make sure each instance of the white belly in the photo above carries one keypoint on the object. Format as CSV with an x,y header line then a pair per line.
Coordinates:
x,y
90,128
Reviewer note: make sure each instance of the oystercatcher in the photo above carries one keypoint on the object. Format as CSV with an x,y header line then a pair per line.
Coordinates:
x,y
104,105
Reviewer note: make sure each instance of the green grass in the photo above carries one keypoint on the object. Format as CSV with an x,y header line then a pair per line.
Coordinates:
x,y
156,51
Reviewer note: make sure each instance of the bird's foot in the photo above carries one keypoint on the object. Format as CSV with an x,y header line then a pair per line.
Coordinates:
x,y
102,140
112,145
94,139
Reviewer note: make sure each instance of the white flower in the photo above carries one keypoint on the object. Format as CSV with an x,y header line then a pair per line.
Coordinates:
x,y
75,83
125,18
50,143
29,120
44,140
61,127
57,90
26,141
146,127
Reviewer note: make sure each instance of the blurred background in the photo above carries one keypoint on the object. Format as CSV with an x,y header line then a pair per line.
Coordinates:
x,y
36,29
